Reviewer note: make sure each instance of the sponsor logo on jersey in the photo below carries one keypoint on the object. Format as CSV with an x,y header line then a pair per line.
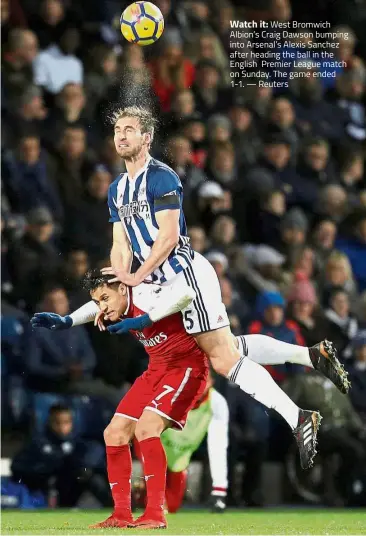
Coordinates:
x,y
153,341
134,208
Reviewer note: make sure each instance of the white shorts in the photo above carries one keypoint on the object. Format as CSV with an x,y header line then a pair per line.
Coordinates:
x,y
206,312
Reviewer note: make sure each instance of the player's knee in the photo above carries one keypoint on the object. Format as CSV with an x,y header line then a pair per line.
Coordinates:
x,y
146,431
117,435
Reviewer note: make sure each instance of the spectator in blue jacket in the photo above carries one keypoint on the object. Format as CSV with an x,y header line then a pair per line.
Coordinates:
x,y
271,321
60,464
64,361
354,246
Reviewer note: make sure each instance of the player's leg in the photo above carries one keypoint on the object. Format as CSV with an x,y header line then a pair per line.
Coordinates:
x,y
175,488
117,437
148,431
322,357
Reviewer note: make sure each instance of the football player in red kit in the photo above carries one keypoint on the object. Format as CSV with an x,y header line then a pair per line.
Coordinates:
x,y
159,399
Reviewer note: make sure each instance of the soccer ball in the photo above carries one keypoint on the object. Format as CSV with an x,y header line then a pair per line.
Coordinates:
x,y
142,23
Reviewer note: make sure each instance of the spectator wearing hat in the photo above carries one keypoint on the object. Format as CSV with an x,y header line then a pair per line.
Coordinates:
x,y
88,225
219,129
303,310
212,201
270,320
35,259
343,325
357,373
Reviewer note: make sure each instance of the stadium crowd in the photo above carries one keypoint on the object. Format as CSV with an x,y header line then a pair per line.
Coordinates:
x,y
275,197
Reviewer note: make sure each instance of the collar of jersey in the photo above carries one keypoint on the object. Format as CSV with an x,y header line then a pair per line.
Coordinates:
x,y
144,167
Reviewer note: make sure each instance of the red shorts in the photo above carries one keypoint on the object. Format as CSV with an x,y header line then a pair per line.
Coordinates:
x,y
169,392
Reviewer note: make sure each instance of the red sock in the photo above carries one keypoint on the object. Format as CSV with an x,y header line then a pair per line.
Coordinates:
x,y
175,489
119,465
154,464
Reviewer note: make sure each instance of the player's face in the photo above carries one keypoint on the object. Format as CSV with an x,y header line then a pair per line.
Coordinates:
x,y
111,300
129,141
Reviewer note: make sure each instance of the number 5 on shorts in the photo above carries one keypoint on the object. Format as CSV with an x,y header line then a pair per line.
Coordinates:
x,y
167,390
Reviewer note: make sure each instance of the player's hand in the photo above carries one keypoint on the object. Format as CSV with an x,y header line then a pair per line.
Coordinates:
x,y
51,321
134,324
121,275
99,321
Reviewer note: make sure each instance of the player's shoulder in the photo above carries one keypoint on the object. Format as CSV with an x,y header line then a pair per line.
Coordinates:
x,y
159,169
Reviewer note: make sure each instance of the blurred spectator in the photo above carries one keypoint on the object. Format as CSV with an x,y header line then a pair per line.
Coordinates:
x,y
324,236
63,362
17,70
351,89
221,164
211,202
28,177
271,321
178,151
61,464
338,273
48,21
70,110
223,234
198,238
293,232
57,65
354,246
73,164
209,97
195,130
342,433
183,107
172,71
332,202
88,224
352,171
282,119
236,308
34,259
272,210
357,374
207,46
110,158
262,268
343,325
302,309
245,137
100,75
248,441
75,267
219,261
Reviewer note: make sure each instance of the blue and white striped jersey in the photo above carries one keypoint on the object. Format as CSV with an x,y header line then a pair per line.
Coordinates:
x,y
135,203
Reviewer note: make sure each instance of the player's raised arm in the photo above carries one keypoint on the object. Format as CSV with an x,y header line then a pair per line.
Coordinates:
x,y
86,313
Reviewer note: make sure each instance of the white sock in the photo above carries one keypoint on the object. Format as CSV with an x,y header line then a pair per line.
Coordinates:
x,y
258,383
268,351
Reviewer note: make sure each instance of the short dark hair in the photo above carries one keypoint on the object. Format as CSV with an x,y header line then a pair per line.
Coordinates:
x,y
94,279
58,408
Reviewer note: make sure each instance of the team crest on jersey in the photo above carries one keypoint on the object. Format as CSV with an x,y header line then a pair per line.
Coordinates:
x,y
135,208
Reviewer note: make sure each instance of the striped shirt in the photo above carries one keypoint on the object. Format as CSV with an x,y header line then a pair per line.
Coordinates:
x,y
135,202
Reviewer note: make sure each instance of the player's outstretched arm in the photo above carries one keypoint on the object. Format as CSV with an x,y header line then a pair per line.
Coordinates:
x,y
85,313
167,301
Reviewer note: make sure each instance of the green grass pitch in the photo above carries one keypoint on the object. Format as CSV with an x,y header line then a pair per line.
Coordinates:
x,y
265,521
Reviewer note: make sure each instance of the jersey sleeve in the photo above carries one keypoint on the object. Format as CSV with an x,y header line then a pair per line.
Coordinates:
x,y
112,199
165,189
